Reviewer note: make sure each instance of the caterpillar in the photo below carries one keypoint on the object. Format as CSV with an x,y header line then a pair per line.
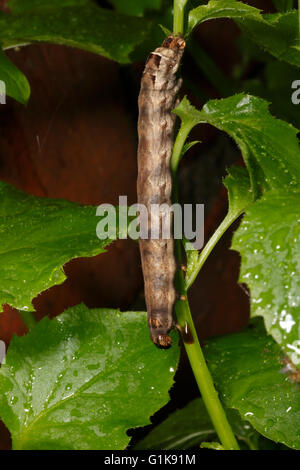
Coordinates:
x,y
157,98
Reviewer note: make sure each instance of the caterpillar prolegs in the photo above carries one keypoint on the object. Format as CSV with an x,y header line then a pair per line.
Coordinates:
x,y
157,98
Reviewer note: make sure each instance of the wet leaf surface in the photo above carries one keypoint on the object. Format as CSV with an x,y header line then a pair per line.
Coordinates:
x,y
248,371
38,236
268,240
271,162
81,380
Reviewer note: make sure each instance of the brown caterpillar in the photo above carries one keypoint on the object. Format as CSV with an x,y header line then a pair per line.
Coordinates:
x,y
159,88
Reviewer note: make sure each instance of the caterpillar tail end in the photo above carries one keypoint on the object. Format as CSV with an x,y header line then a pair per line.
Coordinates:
x,y
162,341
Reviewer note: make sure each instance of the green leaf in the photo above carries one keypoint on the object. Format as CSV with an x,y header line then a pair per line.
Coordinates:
x,y
81,380
269,243
221,9
249,376
37,237
136,8
189,426
113,35
276,33
269,146
16,84
270,149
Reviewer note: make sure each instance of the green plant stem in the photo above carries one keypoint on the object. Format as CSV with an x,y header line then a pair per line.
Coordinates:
x,y
225,224
178,16
188,331
28,318
201,371
178,146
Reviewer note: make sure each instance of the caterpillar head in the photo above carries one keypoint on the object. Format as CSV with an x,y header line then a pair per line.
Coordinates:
x,y
166,59
174,42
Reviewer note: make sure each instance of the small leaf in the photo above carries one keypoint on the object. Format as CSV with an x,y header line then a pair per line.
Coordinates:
x,y
240,195
192,260
249,374
187,146
167,32
16,84
269,146
105,32
268,240
81,380
37,237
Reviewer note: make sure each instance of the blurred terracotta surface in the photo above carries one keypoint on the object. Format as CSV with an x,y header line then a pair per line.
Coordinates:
x,y
75,140
10,324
